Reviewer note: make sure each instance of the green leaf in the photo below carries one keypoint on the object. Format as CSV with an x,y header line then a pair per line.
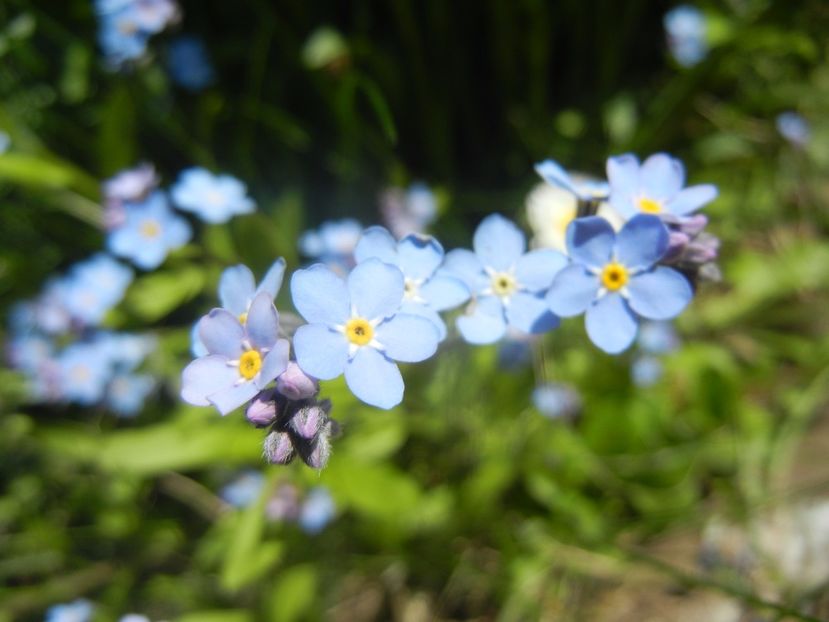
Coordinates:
x,y
217,615
155,295
294,594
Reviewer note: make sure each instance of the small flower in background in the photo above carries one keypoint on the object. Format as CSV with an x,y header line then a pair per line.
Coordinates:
x,y
355,328
134,617
5,142
127,393
125,26
646,371
418,257
129,186
326,49
317,510
85,370
582,187
241,359
657,337
93,287
244,489
77,611
507,283
284,505
213,198
189,64
614,279
556,400
515,350
408,211
149,232
333,243
685,28
49,312
794,128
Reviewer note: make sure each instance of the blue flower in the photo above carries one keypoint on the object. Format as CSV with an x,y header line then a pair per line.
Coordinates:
x,y
333,243
613,278
150,231
243,490
120,38
188,63
409,211
585,189
355,328
685,28
213,198
77,611
655,187
85,370
646,371
793,128
93,287
241,360
317,511
508,284
556,400
657,337
418,257
134,617
127,392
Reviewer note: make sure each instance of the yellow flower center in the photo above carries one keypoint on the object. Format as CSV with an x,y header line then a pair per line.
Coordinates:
x,y
614,276
150,229
649,206
503,284
358,331
243,318
249,364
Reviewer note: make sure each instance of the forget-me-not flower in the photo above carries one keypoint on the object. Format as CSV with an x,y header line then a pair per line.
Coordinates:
x,y
408,211
77,611
188,63
213,198
556,400
507,283
614,279
93,287
686,31
418,257
794,128
333,243
85,370
150,231
243,490
127,392
355,328
241,359
654,187
317,510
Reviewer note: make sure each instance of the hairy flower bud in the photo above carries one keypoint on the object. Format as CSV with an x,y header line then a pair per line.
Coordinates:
x,y
295,384
316,452
309,418
262,409
278,448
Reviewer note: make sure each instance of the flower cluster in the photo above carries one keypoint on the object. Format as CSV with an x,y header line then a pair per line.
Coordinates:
x,y
125,27
408,211
685,27
82,610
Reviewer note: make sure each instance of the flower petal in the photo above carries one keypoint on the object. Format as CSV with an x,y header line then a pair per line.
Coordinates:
x,y
498,242
408,338
530,313
276,361
425,311
232,397
535,270
610,324
320,351
590,241
376,242
374,379
623,176
273,279
204,376
221,333
659,294
641,242
661,176
420,255
320,295
262,326
466,266
552,172
485,323
572,291
691,199
376,289
236,288
444,292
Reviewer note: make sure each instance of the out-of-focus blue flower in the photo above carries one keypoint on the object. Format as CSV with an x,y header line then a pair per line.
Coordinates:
x,y
124,26
333,243
409,211
284,504
5,142
657,337
241,360
317,511
515,350
126,351
127,393
614,279
77,611
129,186
49,311
150,231
93,287
655,187
793,128
585,189
134,617
243,490
189,64
213,198
556,400
85,370
418,257
685,28
355,328
27,352
507,283
646,371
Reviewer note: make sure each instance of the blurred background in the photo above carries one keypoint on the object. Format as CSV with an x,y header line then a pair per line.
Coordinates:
x,y
684,480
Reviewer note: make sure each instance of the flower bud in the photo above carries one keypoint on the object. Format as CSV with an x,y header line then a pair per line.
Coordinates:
x,y
262,409
693,225
307,420
677,242
278,448
316,453
295,384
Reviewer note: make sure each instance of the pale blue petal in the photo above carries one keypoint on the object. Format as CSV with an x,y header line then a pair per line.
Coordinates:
x,y
485,323
221,333
623,176
320,351
419,255
535,270
197,348
374,379
177,232
149,256
555,175
320,295
236,288
376,289
590,241
262,324
416,308
444,292
573,289
498,242
204,376
610,324
465,265
276,361
230,398
376,242
530,313
273,279
641,242
662,176
408,338
659,294
690,199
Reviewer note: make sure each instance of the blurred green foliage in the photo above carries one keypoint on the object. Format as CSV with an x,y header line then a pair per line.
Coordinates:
x,y
464,502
